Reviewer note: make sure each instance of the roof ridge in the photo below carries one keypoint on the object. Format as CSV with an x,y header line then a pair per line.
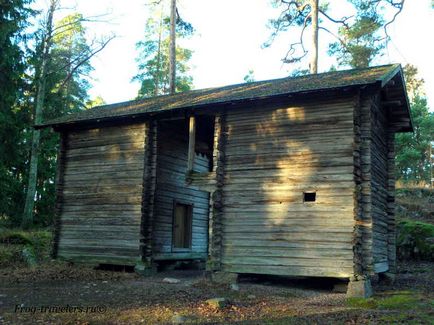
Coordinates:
x,y
232,93
138,101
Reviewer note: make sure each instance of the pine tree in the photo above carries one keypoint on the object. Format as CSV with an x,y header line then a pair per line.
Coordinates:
x,y
154,57
412,149
360,37
61,64
13,21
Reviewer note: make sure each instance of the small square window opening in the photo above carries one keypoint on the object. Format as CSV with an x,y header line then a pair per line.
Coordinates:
x,y
309,196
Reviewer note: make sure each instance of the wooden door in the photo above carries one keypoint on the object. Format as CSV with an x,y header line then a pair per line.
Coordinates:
x,y
182,226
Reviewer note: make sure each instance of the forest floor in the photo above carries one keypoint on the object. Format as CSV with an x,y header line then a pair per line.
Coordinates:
x,y
116,297
31,283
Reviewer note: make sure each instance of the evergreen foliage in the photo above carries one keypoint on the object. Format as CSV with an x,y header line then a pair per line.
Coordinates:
x,y
13,116
67,88
153,59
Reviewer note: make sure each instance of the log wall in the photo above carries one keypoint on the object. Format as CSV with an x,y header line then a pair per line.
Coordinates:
x,y
216,200
171,185
391,201
271,157
379,185
148,196
363,259
102,194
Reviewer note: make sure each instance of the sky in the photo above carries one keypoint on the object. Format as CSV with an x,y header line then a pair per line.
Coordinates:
x,y
228,39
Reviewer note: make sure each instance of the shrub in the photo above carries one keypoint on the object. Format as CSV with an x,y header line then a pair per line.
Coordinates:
x,y
415,240
24,247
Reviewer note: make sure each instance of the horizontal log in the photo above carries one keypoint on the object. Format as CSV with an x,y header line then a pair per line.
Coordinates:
x,y
274,208
104,141
243,224
96,175
70,220
121,247
264,119
317,254
324,177
180,256
300,219
290,270
80,233
296,172
107,166
254,198
107,131
283,261
291,236
300,245
103,182
287,185
128,155
95,190
109,208
106,149
341,136
99,258
100,199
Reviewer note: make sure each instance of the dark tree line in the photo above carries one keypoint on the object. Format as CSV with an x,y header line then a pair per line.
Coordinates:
x,y
361,37
43,74
44,71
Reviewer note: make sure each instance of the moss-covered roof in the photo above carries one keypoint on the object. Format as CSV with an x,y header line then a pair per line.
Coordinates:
x,y
247,91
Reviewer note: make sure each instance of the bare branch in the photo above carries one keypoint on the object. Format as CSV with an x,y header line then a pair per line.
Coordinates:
x,y
286,19
399,5
84,60
342,21
90,19
344,45
293,46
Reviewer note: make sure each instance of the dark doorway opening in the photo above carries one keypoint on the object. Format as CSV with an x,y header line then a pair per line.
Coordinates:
x,y
182,226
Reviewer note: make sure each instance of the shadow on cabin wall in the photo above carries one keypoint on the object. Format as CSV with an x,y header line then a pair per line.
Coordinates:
x,y
180,229
273,156
102,192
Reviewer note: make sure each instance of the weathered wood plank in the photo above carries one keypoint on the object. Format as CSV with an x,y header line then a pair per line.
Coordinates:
x,y
289,270
271,159
173,149
102,195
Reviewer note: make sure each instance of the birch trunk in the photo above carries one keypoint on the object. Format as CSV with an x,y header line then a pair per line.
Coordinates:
x,y
172,54
27,220
314,56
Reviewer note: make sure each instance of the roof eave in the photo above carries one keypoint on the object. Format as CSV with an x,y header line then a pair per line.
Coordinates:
x,y
143,115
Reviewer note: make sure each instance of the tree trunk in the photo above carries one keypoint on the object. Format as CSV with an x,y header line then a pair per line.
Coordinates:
x,y
157,75
27,219
314,56
172,53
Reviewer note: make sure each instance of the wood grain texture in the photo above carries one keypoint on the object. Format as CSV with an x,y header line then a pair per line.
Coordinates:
x,y
172,165
60,183
271,157
102,194
380,190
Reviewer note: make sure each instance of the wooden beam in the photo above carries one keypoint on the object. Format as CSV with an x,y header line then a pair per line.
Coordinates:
x,y
191,143
204,181
391,103
391,83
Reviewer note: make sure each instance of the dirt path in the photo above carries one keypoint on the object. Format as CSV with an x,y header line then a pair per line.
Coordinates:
x,y
126,298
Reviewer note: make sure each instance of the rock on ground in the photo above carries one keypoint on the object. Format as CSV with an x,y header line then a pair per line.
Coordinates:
x,y
217,303
171,280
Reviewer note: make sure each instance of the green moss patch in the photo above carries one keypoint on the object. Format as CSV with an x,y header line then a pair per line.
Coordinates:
x,y
398,302
369,303
403,300
18,247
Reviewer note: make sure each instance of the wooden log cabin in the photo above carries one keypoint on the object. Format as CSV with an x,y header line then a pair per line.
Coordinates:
x,y
290,177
